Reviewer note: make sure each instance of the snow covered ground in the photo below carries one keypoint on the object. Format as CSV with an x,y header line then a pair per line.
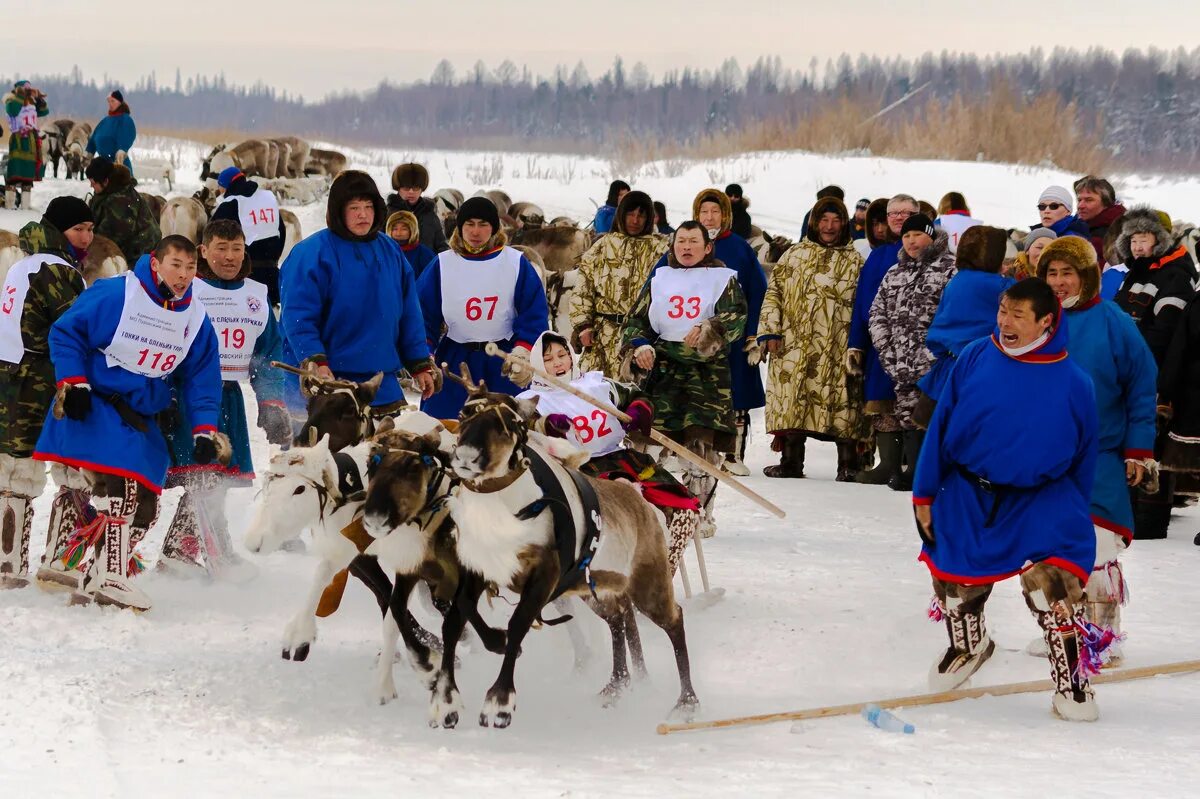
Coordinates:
x,y
825,607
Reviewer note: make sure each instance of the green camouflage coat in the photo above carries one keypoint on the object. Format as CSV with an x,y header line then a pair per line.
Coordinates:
x,y
692,394
124,216
27,388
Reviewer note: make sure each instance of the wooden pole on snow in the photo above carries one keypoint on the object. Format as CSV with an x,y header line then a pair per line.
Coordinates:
x,y
918,700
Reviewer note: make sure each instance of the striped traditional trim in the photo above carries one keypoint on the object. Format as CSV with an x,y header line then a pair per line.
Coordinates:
x,y
1061,563
49,457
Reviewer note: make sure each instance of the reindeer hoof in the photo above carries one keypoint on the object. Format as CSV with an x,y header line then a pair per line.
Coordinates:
x,y
611,694
498,709
685,709
285,654
444,706
301,653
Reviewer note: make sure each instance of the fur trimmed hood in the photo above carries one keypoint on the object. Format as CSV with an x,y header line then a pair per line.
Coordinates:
x,y
1080,255
498,240
820,208
630,202
721,199
982,249
348,185
406,218
1143,219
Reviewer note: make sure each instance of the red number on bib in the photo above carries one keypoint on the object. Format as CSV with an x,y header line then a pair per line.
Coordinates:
x,y
262,216
474,308
677,309
584,427
157,361
11,300
603,428
233,339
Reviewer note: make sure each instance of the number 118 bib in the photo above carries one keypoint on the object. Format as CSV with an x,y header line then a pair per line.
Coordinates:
x,y
151,340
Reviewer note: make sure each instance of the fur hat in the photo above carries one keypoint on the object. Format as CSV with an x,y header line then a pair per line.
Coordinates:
x,y
349,185
478,208
228,175
1035,234
64,213
1058,194
832,191
823,206
631,202
1143,219
404,218
919,223
982,248
410,176
1080,255
99,170
720,198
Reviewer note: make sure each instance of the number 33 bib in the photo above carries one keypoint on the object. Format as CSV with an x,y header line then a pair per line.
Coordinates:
x,y
151,340
680,299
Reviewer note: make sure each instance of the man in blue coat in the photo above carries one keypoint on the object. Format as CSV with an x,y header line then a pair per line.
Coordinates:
x,y
1105,341
114,352
999,493
607,213
862,360
480,291
349,301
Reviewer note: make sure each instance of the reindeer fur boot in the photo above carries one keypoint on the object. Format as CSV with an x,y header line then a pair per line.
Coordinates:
x,y
21,481
703,487
970,644
1073,698
681,528
735,461
108,582
181,547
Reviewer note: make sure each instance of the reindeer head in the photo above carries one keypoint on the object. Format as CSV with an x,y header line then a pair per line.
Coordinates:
x,y
405,471
293,497
492,431
340,409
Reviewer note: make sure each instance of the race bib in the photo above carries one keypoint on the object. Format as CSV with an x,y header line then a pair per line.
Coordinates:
x,y
594,429
26,119
258,215
239,317
151,340
478,297
12,304
680,299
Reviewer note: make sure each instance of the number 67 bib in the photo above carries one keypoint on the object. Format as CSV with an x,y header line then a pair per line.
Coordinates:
x,y
151,340
478,296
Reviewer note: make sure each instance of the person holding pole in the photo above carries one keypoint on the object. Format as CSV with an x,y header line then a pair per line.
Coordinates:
x,y
674,344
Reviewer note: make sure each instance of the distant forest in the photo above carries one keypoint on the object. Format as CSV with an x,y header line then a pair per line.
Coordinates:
x,y
1082,110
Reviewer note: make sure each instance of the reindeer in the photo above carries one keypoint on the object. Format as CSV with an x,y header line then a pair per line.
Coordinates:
x,y
156,202
75,150
527,216
104,259
291,232
10,252
324,162
56,137
185,216
507,535
297,156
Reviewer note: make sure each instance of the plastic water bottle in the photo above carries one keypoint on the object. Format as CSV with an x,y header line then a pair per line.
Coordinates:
x,y
884,720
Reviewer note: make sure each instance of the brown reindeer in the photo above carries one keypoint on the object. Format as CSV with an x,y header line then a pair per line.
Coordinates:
x,y
511,535
560,247
324,162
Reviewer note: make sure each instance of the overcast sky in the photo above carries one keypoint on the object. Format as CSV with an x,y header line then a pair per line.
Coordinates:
x,y
315,46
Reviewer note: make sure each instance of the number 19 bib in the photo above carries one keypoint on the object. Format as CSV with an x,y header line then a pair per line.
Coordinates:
x,y
680,299
478,296
238,316
151,340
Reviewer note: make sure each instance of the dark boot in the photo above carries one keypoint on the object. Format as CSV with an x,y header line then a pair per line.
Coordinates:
x,y
912,450
1152,514
889,445
847,454
791,462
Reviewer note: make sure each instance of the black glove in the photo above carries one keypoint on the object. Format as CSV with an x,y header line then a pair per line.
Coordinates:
x,y
276,422
926,535
77,402
205,451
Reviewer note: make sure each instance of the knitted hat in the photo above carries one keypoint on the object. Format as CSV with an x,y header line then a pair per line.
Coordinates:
x,y
410,176
919,223
478,208
863,204
733,190
99,170
228,175
1035,234
1058,194
64,213
116,95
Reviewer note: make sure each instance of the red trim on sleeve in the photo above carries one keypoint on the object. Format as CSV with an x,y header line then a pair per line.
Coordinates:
x,y
1113,527
995,578
1139,454
922,500
71,381
523,344
200,429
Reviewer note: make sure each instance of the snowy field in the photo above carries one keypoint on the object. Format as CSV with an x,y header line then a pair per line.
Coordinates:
x,y
826,607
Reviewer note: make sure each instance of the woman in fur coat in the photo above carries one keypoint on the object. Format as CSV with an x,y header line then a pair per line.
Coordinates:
x,y
804,327
676,343
611,273
900,317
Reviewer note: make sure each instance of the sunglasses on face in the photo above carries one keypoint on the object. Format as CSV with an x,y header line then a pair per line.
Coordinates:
x,y
1049,206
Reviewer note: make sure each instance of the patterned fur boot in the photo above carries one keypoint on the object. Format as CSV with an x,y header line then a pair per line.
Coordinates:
x,y
970,647
107,582
16,522
1073,697
681,528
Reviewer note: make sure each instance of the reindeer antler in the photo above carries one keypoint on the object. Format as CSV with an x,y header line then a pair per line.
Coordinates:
x,y
464,379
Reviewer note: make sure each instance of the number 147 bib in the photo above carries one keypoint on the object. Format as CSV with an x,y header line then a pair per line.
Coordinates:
x,y
151,340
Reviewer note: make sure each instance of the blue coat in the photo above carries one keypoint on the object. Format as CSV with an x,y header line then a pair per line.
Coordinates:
x,y
1111,280
355,302
1106,343
1070,225
113,133
605,215
967,311
1044,461
734,251
419,256
532,314
877,386
102,441
268,385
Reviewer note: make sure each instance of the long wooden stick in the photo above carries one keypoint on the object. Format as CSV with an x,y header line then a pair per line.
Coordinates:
x,y
655,436
1119,675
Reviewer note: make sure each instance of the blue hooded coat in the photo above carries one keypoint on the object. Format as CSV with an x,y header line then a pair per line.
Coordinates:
x,y
877,386
103,442
1041,465
113,133
967,311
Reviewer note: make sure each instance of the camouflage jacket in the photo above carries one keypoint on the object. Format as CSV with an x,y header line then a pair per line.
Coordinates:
x,y
124,216
52,289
